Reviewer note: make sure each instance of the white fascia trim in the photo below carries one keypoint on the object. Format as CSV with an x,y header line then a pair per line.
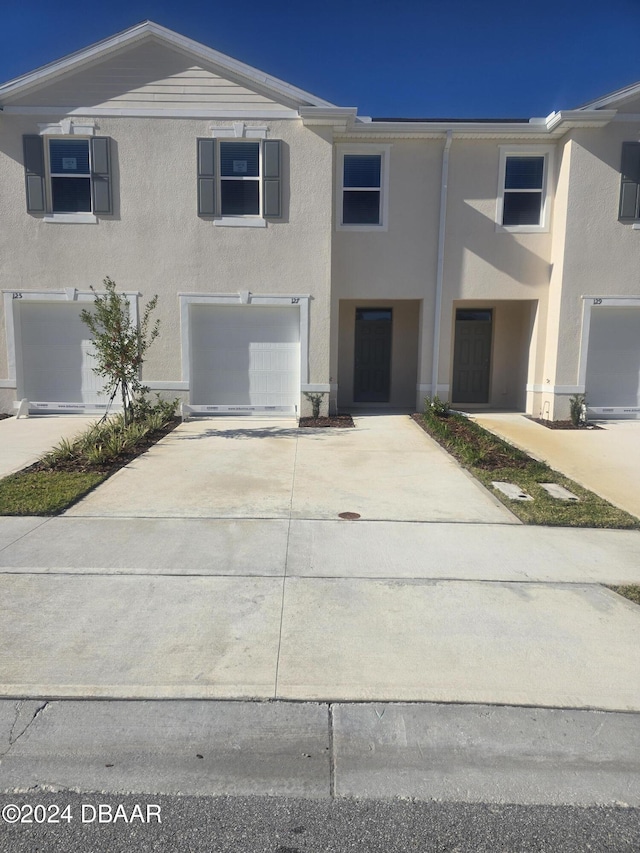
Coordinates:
x,y
244,298
150,30
619,95
364,148
546,151
70,218
566,119
68,127
627,117
437,129
339,118
115,112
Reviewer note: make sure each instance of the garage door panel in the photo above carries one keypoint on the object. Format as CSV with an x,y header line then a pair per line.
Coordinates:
x,y
613,357
245,355
57,355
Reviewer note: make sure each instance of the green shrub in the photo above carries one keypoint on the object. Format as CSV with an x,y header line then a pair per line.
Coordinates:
x,y
436,406
577,410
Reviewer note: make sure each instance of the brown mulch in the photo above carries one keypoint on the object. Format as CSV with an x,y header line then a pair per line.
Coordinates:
x,y
110,467
493,457
331,421
563,424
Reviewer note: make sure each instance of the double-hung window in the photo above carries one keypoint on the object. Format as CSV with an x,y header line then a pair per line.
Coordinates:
x,y
239,182
523,189
362,187
630,183
68,178
70,175
239,178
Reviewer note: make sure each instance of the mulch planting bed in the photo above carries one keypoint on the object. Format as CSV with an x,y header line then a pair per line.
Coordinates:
x,y
109,467
563,424
493,456
332,421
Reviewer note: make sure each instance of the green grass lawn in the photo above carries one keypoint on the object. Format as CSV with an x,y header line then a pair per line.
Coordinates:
x,y
489,458
631,591
45,492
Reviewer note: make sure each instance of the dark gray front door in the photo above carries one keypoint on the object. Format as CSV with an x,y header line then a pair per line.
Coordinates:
x,y
372,367
472,356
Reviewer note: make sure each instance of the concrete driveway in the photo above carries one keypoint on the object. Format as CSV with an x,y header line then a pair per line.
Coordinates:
x,y
386,468
23,441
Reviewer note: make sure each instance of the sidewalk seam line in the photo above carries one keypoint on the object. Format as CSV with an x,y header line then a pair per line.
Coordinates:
x,y
332,755
284,576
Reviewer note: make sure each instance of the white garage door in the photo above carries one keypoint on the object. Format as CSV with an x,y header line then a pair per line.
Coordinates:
x,y
55,355
613,360
245,356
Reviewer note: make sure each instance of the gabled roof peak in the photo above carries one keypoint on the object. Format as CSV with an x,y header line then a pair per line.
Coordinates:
x,y
151,30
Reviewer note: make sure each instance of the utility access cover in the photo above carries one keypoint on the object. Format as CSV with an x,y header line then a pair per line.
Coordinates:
x,y
559,492
511,491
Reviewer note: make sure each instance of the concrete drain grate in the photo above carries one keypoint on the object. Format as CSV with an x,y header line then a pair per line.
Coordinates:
x,y
349,516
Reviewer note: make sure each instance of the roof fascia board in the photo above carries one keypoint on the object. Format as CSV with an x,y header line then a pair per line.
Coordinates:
x,y
116,112
567,119
339,118
613,97
147,30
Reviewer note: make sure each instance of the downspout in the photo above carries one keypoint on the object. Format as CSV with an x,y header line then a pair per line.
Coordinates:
x,y
440,265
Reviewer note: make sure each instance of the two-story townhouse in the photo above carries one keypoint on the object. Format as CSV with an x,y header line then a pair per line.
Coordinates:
x,y
296,246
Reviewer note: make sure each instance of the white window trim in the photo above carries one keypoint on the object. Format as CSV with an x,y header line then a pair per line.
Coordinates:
x,y
363,148
68,127
79,217
546,151
240,132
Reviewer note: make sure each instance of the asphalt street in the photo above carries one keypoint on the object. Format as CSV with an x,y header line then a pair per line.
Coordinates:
x,y
277,825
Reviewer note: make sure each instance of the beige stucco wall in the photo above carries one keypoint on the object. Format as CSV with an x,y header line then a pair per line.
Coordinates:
x,y
480,263
595,254
404,350
156,243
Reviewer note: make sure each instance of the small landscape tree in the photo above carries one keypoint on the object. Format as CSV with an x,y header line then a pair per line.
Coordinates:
x,y
120,346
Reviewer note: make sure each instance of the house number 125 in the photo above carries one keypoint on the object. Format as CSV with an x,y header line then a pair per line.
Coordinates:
x,y
17,296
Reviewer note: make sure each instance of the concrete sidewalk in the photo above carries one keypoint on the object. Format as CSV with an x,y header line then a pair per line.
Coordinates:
x,y
606,461
463,753
194,608
23,441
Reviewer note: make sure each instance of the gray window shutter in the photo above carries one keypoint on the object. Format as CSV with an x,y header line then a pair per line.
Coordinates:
x,y
33,147
101,202
272,179
630,181
206,177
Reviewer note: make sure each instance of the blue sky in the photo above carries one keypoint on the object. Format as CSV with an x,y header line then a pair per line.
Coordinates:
x,y
408,58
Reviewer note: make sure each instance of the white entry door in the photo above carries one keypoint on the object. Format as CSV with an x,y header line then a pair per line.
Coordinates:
x,y
245,356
